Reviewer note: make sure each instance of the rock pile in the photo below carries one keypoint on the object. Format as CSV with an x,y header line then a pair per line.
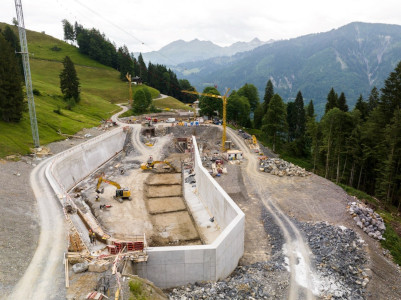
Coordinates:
x,y
267,280
339,260
367,219
279,167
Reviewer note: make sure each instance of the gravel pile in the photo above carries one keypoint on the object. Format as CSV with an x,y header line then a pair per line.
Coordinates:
x,y
279,167
339,261
267,280
367,219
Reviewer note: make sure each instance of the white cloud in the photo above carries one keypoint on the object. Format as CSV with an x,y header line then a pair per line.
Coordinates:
x,y
157,23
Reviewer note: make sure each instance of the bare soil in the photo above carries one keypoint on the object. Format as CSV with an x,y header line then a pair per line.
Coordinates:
x,y
165,204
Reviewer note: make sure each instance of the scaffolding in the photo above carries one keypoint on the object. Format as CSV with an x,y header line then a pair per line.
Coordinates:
x,y
27,72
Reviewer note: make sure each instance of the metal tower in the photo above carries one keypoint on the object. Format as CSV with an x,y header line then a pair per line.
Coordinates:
x,y
27,72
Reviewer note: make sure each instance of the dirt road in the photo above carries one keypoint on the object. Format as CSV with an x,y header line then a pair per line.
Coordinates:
x,y
296,249
44,278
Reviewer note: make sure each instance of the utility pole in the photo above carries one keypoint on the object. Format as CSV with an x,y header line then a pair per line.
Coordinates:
x,y
27,72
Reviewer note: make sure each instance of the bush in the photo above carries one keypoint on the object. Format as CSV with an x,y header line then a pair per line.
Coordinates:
x,y
58,110
55,48
36,92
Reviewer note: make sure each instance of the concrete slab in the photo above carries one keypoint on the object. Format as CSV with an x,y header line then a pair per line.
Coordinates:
x,y
155,191
165,204
168,178
174,227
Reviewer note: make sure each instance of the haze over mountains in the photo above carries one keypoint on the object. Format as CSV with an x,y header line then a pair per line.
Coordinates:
x,y
353,59
181,51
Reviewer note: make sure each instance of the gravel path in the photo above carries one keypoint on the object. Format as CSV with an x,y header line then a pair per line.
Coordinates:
x,y
19,217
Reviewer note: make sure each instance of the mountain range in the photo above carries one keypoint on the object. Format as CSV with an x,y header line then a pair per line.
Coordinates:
x,y
352,59
181,51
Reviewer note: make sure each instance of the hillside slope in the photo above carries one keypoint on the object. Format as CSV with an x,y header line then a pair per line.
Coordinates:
x,y
100,89
353,59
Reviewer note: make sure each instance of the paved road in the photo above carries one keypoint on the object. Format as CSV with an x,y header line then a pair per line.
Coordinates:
x,y
296,249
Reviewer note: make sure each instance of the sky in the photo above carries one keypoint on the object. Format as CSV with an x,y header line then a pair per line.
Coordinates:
x,y
148,25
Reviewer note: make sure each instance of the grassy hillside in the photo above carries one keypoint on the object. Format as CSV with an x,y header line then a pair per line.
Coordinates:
x,y
170,103
101,88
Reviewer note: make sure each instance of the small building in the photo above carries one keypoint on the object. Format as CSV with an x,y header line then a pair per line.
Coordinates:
x,y
234,154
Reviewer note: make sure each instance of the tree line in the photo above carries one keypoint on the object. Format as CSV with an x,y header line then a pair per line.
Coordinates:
x,y
360,148
98,47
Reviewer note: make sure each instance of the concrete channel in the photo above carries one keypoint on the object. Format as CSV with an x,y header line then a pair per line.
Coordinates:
x,y
173,265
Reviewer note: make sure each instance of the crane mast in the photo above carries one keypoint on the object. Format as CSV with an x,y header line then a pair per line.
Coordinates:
x,y
27,73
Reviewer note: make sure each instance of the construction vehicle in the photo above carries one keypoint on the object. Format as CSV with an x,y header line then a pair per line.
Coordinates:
x,y
121,194
224,98
151,165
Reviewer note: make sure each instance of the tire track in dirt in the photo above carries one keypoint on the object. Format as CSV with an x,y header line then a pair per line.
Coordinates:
x,y
297,251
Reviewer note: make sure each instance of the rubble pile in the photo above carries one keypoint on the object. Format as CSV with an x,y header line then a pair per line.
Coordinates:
x,y
262,280
367,219
280,167
339,259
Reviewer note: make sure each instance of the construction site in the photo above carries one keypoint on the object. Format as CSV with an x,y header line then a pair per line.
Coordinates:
x,y
165,204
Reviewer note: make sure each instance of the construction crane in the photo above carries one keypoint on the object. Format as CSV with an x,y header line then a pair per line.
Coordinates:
x,y
27,73
224,97
128,76
121,194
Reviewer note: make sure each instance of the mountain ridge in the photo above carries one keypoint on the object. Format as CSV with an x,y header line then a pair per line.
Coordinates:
x,y
181,51
352,59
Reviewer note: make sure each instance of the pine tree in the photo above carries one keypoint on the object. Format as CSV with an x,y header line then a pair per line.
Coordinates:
x,y
69,81
258,116
390,99
275,124
13,40
342,103
143,71
11,93
310,111
362,106
69,34
373,100
332,99
269,92
300,120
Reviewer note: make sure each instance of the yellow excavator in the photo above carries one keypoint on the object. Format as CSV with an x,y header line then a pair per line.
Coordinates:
x,y
151,165
121,194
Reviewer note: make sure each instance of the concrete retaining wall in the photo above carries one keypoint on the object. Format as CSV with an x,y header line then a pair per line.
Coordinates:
x,y
166,266
174,266
73,165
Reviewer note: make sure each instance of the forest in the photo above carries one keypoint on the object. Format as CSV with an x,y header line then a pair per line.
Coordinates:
x,y
98,47
360,148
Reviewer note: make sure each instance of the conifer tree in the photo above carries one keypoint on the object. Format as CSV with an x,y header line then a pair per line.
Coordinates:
x,y
11,93
275,121
143,71
69,81
362,106
332,99
373,100
342,103
310,111
269,92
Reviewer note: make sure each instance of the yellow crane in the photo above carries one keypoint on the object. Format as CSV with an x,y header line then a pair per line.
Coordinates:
x,y
224,98
128,76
